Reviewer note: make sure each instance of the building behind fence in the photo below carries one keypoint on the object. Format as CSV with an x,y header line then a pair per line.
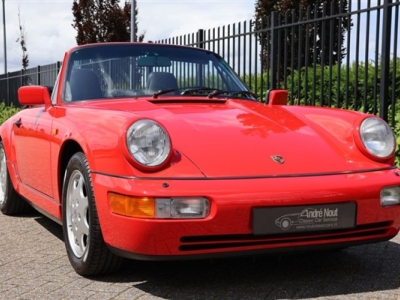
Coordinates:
x,y
366,78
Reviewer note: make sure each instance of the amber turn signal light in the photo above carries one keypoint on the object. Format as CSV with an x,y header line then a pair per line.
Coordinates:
x,y
136,207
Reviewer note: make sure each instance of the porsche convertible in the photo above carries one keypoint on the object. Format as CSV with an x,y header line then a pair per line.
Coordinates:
x,y
159,152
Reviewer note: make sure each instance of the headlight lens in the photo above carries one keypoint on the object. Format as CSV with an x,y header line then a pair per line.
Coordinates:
x,y
390,196
377,137
148,143
185,208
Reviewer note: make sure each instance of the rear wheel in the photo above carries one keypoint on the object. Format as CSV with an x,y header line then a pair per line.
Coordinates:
x,y
11,203
83,239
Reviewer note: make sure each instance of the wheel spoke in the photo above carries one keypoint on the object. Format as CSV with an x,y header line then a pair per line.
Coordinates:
x,y
77,214
82,236
3,175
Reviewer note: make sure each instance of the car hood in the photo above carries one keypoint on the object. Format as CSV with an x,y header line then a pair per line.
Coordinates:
x,y
247,138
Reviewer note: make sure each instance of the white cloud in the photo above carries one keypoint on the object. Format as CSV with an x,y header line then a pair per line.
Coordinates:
x,y
163,19
50,33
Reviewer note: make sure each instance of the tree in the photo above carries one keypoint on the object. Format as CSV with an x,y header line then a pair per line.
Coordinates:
x,y
22,42
323,38
102,21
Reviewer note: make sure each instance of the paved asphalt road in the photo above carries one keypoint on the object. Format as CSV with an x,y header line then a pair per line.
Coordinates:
x,y
33,265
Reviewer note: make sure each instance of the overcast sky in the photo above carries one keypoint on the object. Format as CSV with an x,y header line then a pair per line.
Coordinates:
x,y
49,31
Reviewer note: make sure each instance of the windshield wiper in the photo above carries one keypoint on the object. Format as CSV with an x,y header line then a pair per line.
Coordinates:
x,y
220,92
185,92
161,92
215,92
198,89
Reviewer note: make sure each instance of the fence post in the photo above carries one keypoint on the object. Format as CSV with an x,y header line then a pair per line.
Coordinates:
x,y
273,57
38,75
385,59
8,89
21,77
200,38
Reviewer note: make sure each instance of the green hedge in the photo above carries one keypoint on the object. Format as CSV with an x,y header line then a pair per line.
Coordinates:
x,y
355,87
7,111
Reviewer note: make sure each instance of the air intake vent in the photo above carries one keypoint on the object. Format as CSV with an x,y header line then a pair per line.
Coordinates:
x,y
365,232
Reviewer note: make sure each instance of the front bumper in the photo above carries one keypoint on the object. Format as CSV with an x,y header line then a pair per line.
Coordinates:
x,y
228,230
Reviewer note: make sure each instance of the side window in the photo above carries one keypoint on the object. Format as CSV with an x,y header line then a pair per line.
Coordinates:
x,y
55,89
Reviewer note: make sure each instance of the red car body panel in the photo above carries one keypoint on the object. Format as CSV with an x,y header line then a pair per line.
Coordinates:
x,y
228,228
223,150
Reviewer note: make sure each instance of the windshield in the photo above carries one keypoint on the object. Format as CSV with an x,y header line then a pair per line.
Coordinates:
x,y
138,70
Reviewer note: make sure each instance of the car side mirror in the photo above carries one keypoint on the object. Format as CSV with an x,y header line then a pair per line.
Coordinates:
x,y
34,95
277,97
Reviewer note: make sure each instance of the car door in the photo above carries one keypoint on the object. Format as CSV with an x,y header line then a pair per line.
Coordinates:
x,y
32,138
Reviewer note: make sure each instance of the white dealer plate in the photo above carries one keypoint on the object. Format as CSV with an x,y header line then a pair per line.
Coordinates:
x,y
294,219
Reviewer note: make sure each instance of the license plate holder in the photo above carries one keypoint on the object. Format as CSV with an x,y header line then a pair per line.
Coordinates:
x,y
300,219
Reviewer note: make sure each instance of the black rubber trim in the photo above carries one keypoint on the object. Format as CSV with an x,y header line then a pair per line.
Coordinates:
x,y
294,249
250,177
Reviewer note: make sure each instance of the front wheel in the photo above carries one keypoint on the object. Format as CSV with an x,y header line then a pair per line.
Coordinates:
x,y
11,203
83,239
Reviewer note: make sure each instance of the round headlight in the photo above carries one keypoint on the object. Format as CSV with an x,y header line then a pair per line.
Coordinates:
x,y
377,137
148,143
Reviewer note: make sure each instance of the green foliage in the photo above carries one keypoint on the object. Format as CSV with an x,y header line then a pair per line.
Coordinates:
x,y
257,84
355,87
300,36
103,21
7,111
396,130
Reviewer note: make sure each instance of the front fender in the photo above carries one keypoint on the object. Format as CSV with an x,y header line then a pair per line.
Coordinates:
x,y
7,137
99,136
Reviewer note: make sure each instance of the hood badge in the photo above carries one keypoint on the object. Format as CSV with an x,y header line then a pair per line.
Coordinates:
x,y
278,159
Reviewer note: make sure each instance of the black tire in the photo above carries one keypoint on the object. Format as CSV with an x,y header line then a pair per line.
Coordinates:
x,y
11,203
83,239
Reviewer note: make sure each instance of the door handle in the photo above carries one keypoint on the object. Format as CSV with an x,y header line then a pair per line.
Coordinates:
x,y
18,123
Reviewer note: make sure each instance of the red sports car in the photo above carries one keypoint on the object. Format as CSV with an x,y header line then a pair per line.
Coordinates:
x,y
155,152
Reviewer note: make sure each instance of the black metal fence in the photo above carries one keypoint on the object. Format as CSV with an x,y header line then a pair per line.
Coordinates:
x,y
41,75
357,67
365,78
